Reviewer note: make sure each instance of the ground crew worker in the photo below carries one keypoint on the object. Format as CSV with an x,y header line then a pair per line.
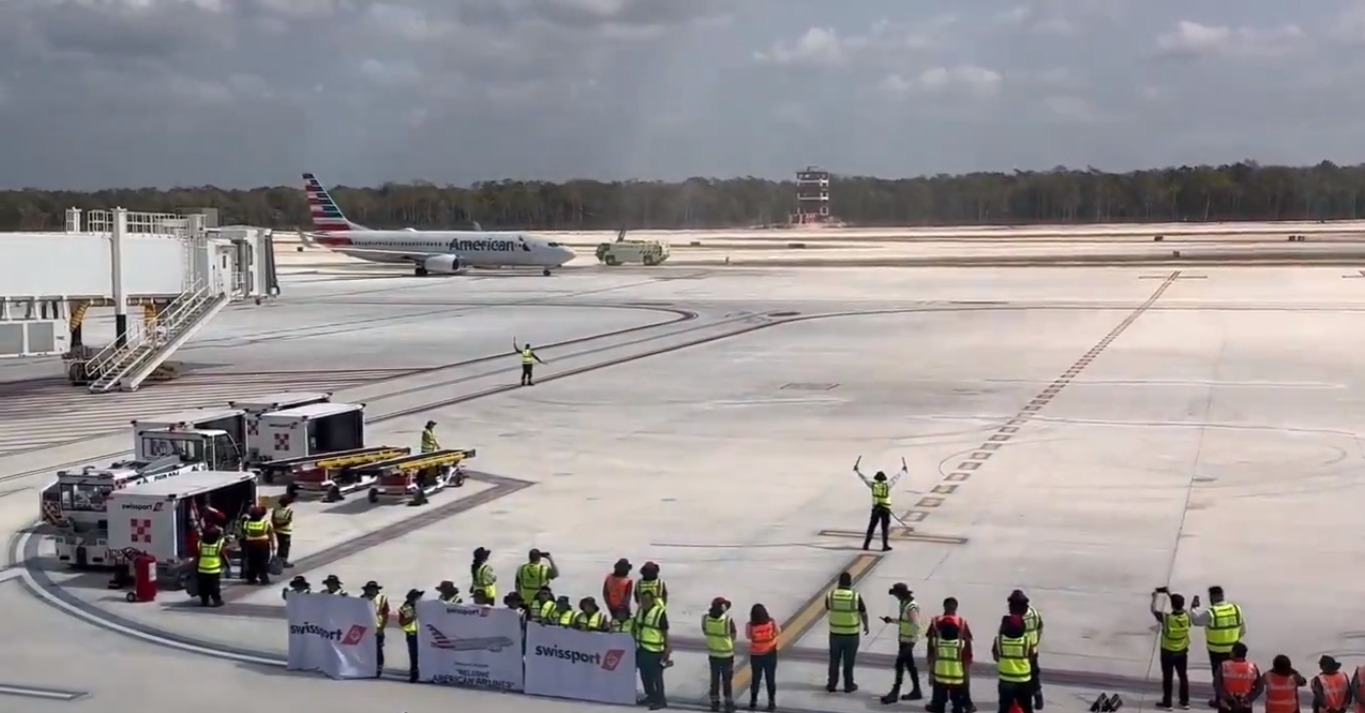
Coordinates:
x,y
762,632
450,594
538,571
1331,687
483,581
1223,627
881,511
1019,606
209,568
1239,682
719,630
949,657
1175,646
589,616
652,649
1282,684
846,609
1013,653
282,522
622,623
373,592
617,589
564,614
544,609
907,622
528,362
298,585
256,540
407,619
332,585
651,582
964,632
429,442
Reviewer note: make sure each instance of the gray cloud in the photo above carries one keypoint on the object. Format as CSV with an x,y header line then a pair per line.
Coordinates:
x,y
248,92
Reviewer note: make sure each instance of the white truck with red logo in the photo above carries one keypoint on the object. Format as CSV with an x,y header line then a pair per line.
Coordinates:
x,y
309,430
257,406
212,436
157,518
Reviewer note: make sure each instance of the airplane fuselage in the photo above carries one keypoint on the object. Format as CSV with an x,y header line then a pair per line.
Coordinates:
x,y
474,249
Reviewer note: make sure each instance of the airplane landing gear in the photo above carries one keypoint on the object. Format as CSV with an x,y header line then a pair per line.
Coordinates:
x,y
420,272
545,272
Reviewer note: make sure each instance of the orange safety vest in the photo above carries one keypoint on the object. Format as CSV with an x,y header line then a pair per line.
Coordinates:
x,y
1360,689
1334,686
950,619
618,592
1239,677
762,637
1281,693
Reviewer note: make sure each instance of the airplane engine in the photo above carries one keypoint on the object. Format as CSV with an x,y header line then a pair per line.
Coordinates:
x,y
444,265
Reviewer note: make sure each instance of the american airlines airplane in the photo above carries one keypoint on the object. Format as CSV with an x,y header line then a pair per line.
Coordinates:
x,y
441,252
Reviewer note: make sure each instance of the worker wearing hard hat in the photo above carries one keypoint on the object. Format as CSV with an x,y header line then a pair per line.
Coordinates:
x,y
450,594
407,619
538,571
651,583
332,585
373,592
256,544
429,442
483,584
209,563
528,363
282,522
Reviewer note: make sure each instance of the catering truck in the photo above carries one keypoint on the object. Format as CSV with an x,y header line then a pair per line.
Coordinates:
x,y
257,406
160,518
230,422
310,430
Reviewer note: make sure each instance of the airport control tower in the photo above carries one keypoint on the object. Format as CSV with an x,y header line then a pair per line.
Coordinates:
x,y
812,197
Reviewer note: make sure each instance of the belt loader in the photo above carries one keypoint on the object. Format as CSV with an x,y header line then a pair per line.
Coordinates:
x,y
415,476
325,473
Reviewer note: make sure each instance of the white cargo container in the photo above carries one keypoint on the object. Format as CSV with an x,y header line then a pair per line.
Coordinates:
x,y
157,517
311,430
231,421
256,406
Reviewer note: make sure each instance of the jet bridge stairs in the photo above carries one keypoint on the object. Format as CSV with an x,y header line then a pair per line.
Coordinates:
x,y
125,366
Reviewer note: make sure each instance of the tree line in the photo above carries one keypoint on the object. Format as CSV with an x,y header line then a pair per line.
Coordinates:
x,y
1239,191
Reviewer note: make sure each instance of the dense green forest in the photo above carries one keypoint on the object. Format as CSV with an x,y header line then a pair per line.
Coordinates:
x,y
1240,191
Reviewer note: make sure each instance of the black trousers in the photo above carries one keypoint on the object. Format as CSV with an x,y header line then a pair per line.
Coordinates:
x,y
765,671
1012,694
1173,665
905,661
943,695
379,653
1036,680
412,658
256,564
1216,660
283,541
722,678
210,588
651,665
843,654
879,516
527,374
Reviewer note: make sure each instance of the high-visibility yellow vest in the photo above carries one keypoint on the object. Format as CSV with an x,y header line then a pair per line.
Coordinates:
x,y
210,558
483,581
650,586
549,612
338,593
881,494
381,617
1033,627
948,668
1015,666
1224,628
429,442
719,642
1175,632
589,622
843,611
450,599
282,518
648,635
256,530
527,356
531,577
567,617
407,618
909,622
626,626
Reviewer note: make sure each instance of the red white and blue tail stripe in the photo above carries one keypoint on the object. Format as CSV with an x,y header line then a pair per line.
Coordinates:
x,y
326,214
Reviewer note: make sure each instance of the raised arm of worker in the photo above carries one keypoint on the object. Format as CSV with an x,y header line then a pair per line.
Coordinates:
x,y
866,480
862,614
1199,616
897,477
554,568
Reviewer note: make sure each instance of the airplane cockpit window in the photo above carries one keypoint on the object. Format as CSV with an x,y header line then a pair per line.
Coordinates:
x,y
554,245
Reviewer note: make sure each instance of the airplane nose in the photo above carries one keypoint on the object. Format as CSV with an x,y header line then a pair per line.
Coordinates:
x,y
567,253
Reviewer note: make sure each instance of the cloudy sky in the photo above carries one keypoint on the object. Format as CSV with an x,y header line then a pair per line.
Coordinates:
x,y
100,93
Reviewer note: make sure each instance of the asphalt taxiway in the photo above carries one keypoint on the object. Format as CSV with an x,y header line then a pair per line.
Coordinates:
x,y
1085,435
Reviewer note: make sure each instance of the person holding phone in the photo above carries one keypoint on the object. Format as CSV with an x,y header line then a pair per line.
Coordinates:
x,y
1175,646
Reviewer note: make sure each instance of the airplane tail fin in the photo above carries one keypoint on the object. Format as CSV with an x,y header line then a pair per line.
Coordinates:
x,y
326,214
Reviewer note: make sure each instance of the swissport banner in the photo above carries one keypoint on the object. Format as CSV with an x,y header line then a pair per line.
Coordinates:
x,y
331,634
583,665
473,646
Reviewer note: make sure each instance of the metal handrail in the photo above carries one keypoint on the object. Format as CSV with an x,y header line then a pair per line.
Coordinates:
x,y
113,351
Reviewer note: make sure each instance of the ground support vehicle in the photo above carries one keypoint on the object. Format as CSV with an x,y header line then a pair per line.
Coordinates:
x,y
417,476
231,422
161,518
627,252
309,430
318,473
257,406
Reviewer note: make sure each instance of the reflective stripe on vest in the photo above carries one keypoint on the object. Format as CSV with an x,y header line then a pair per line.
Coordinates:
x,y
719,642
1014,666
483,581
531,577
909,622
381,617
881,494
1033,626
588,622
1239,677
450,599
626,626
948,668
651,586
255,530
567,617
647,632
843,611
1175,632
547,612
1334,689
407,618
210,559
762,637
429,442
1281,694
1224,628
282,517
528,356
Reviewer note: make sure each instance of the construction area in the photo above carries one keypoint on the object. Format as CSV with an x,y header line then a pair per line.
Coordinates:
x,y
1085,434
